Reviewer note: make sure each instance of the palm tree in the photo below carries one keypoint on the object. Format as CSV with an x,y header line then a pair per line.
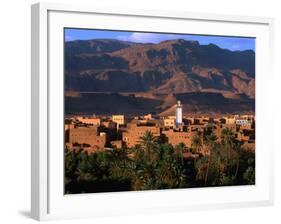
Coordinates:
x,y
228,140
149,144
180,148
122,168
148,140
238,152
211,143
196,143
170,171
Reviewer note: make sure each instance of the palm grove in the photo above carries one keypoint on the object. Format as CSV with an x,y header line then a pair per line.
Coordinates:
x,y
155,164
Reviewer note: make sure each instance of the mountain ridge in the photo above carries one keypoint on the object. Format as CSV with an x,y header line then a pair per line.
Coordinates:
x,y
169,67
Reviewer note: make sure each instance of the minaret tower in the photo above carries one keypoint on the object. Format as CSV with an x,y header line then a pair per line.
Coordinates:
x,y
178,114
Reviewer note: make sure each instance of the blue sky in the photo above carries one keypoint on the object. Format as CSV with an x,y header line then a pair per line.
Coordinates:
x,y
231,43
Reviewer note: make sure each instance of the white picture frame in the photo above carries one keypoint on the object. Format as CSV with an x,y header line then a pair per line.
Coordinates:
x,y
47,199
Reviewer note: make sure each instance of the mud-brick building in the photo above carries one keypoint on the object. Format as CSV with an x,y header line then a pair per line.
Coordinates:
x,y
87,135
134,131
176,137
89,120
118,119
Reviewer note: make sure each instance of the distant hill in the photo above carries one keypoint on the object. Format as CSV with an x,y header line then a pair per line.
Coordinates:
x,y
109,103
164,72
94,46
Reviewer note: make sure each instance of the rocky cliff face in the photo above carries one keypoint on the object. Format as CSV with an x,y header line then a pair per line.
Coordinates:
x,y
169,68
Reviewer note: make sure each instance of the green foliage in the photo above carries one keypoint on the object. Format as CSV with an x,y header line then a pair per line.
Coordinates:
x,y
226,163
197,143
153,164
249,175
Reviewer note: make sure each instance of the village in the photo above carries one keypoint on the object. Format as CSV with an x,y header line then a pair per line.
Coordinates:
x,y
96,133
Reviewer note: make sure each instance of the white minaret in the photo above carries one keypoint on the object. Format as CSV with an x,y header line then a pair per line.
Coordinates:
x,y
179,113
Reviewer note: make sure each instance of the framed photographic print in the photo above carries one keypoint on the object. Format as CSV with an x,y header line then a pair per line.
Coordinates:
x,y
138,111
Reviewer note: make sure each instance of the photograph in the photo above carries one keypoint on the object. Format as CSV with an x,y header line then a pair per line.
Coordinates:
x,y
154,111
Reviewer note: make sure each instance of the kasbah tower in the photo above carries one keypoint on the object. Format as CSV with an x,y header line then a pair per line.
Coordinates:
x,y
178,114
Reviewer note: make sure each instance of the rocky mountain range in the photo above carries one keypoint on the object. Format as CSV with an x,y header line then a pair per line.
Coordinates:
x,y
104,75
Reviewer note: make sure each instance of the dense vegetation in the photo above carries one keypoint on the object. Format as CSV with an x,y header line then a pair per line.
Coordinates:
x,y
154,164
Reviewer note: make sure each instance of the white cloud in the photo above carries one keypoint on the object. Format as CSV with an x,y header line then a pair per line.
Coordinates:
x,y
68,38
148,37
236,47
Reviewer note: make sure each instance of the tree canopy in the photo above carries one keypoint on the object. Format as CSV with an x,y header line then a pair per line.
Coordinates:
x,y
153,164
